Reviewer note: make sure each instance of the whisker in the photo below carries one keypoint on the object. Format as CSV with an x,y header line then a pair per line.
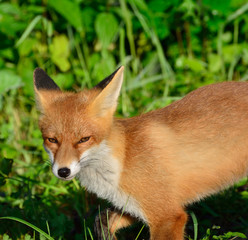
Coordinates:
x,y
95,162
89,162
103,176
82,159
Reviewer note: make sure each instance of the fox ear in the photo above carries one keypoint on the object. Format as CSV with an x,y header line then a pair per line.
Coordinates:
x,y
42,81
43,85
106,100
101,85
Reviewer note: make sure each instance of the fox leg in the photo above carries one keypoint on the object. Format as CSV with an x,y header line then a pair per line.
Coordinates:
x,y
109,222
169,227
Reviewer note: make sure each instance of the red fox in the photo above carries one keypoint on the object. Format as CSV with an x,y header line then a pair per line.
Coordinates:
x,y
153,165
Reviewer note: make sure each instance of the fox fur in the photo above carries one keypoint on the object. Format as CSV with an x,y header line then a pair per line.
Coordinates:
x,y
153,165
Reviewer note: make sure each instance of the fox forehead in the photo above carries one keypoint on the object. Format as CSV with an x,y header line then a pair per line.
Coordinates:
x,y
65,100
68,113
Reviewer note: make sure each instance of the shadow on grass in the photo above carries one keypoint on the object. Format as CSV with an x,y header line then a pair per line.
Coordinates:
x,y
64,213
228,210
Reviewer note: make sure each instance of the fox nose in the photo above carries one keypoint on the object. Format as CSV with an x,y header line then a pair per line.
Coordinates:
x,y
64,172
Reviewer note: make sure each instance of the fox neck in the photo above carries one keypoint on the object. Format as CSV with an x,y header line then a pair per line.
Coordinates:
x,y
102,175
100,171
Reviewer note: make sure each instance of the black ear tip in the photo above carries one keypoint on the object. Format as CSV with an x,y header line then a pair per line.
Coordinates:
x,y
37,72
38,69
101,85
43,81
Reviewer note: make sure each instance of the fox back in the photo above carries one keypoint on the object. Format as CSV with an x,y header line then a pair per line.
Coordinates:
x,y
153,165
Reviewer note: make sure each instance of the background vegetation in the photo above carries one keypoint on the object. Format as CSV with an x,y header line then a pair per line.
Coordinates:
x,y
168,48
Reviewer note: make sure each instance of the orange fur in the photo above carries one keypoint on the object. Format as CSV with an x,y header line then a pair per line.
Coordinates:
x,y
110,222
118,221
169,157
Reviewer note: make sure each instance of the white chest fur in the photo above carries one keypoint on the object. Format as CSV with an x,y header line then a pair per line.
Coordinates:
x,y
100,173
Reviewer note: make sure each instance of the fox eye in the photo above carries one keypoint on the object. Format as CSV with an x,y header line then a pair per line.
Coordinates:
x,y
53,140
84,139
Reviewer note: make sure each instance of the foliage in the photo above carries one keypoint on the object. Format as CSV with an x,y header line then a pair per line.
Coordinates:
x,y
168,48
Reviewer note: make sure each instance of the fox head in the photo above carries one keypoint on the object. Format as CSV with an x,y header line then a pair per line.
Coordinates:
x,y
73,124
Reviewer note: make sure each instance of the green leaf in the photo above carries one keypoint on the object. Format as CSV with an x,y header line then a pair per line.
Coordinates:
x,y
192,63
161,5
27,237
222,6
8,53
9,25
25,68
5,169
60,52
106,27
195,65
9,8
88,16
226,37
9,81
234,234
64,81
231,51
6,166
26,47
245,56
214,63
70,10
104,67
42,237
188,7
6,237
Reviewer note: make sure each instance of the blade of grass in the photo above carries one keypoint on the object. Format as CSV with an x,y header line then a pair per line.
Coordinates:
x,y
145,81
80,56
161,100
123,63
85,232
194,219
237,13
230,18
139,232
91,236
149,67
167,72
128,22
75,183
236,32
244,77
28,30
208,209
232,67
29,225
101,222
48,229
108,225
119,219
47,186
219,50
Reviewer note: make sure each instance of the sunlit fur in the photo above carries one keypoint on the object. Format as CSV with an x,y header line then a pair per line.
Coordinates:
x,y
156,163
100,173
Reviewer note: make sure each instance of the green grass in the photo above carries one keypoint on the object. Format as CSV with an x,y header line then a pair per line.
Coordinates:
x,y
168,48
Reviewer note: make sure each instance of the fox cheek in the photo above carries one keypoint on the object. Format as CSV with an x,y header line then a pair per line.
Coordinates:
x,y
50,153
